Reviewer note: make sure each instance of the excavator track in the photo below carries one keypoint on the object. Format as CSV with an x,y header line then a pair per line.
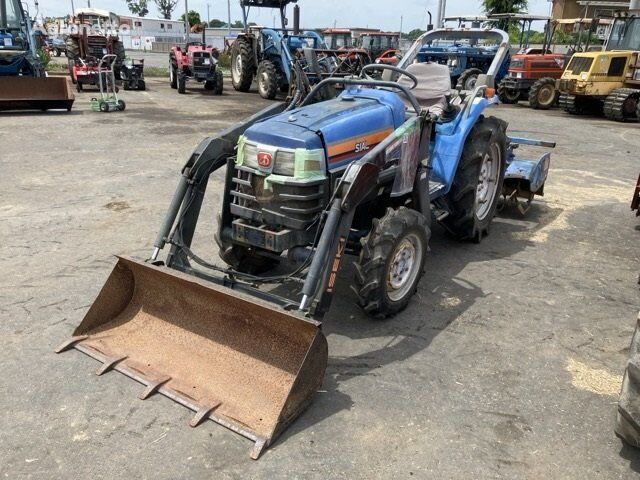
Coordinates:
x,y
621,105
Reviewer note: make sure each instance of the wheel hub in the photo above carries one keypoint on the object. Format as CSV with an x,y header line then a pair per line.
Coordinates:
x,y
237,67
546,95
404,266
487,183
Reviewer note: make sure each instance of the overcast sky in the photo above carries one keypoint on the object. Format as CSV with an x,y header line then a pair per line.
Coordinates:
x,y
383,14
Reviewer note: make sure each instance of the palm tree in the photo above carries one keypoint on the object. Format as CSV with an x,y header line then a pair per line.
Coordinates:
x,y
504,6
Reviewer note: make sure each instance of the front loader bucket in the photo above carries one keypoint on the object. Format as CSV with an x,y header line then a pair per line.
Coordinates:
x,y
228,357
35,93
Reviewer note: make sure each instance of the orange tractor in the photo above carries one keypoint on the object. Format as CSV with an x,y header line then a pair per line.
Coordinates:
x,y
533,71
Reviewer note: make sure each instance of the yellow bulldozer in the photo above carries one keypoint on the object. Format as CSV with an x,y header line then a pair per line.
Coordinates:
x,y
607,81
23,81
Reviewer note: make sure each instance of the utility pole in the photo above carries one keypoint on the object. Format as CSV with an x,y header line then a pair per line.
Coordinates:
x,y
208,16
73,10
442,7
186,20
401,19
229,15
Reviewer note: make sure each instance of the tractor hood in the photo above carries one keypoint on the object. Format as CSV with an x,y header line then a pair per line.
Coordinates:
x,y
346,127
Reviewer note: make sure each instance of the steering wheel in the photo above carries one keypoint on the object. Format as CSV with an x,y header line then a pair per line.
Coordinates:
x,y
380,66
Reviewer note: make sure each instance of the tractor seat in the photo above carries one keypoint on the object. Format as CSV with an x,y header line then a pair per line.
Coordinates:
x,y
434,84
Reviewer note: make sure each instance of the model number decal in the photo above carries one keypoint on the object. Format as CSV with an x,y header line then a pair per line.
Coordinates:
x,y
362,146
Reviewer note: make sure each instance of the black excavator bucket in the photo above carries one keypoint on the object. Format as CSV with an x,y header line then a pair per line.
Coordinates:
x,y
227,356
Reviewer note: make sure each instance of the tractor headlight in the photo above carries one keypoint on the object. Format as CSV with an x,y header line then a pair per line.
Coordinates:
x,y
584,76
519,75
285,163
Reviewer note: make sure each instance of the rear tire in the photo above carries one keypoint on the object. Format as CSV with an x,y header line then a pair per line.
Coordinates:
x,y
477,185
242,65
391,262
267,80
219,83
543,94
119,52
142,85
622,105
73,49
104,107
468,79
507,95
173,75
627,425
121,105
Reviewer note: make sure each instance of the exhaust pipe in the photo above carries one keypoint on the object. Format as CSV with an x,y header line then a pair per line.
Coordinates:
x,y
296,20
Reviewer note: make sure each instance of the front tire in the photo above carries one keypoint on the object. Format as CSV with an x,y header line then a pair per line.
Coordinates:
x,y
242,65
391,262
219,83
507,95
543,94
467,81
267,80
173,75
182,83
477,185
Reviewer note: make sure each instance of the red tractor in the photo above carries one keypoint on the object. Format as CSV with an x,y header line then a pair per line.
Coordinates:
x,y
195,61
533,71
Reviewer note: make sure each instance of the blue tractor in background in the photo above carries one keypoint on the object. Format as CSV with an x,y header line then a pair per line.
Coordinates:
x,y
467,58
270,53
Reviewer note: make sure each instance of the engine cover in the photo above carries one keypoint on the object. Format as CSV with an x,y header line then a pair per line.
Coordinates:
x,y
346,127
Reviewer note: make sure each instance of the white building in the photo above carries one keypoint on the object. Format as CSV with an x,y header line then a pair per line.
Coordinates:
x,y
141,33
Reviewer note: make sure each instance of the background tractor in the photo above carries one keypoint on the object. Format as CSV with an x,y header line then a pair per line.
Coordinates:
x,y
467,58
282,59
85,49
269,53
23,81
195,61
607,81
533,71
306,187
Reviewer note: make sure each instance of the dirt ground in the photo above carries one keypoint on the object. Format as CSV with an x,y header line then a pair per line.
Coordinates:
x,y
507,364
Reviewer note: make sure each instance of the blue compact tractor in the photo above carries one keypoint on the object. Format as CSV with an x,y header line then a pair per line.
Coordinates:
x,y
359,178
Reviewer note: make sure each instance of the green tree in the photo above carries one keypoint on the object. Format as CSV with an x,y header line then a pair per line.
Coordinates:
x,y
504,6
413,34
138,7
166,7
215,23
194,18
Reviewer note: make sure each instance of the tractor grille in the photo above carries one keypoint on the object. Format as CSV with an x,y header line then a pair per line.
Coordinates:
x,y
281,205
202,62
97,46
578,65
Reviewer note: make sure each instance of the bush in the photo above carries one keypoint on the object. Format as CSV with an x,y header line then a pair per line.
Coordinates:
x,y
44,57
224,61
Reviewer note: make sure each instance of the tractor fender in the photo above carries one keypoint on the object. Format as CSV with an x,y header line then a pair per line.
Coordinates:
x,y
451,137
